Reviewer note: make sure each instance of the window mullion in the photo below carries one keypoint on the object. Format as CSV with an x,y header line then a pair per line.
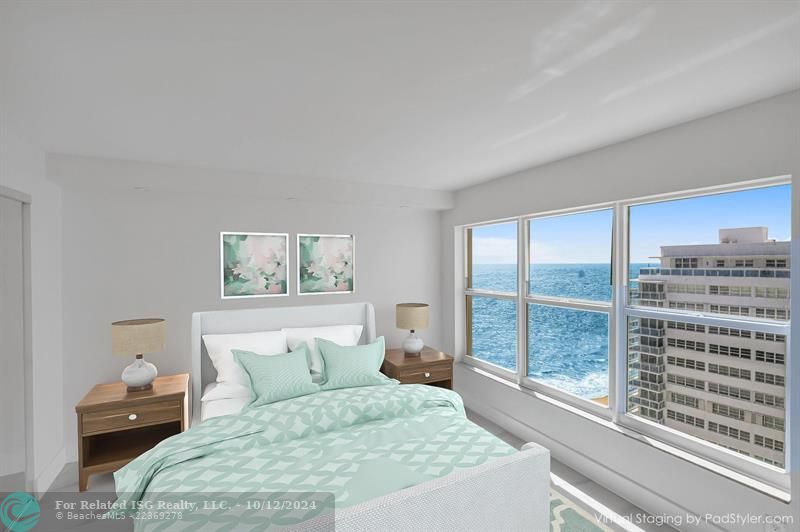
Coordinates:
x,y
579,304
618,341
523,241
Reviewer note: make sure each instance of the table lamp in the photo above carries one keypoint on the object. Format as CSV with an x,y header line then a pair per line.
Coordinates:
x,y
136,337
412,316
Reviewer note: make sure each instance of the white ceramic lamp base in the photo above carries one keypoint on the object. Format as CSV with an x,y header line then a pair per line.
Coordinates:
x,y
413,344
139,375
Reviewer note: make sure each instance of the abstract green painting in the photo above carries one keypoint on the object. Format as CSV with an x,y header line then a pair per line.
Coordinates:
x,y
325,264
254,264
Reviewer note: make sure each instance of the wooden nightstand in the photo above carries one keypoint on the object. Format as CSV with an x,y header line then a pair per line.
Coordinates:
x,y
429,367
115,426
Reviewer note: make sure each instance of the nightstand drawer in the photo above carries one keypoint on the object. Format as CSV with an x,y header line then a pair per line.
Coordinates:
x,y
425,374
110,420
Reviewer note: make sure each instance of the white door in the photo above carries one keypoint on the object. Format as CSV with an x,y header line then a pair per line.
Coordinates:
x,y
12,370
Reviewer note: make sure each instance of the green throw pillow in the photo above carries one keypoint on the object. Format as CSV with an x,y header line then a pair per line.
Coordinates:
x,y
352,366
276,377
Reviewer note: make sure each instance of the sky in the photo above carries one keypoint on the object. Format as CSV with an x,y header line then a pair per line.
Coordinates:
x,y
586,237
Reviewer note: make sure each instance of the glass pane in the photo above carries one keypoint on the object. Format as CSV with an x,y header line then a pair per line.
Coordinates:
x,y
493,331
568,349
570,256
493,261
723,385
726,254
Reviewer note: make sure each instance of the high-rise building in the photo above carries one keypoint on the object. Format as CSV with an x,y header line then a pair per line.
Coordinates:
x,y
720,384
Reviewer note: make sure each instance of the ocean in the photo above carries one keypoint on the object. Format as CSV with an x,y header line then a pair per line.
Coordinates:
x,y
567,348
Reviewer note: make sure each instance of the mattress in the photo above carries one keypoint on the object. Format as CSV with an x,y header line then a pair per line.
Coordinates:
x,y
335,448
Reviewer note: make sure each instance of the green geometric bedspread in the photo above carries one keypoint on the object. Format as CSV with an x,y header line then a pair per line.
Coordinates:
x,y
354,443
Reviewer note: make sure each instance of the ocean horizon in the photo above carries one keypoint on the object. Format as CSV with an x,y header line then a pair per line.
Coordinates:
x,y
557,356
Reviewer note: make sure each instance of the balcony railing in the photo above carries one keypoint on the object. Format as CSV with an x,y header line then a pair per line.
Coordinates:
x,y
639,383
644,366
717,272
649,295
656,405
653,350
650,331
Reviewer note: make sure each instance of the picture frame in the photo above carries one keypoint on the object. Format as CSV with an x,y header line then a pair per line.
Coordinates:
x,y
253,265
325,264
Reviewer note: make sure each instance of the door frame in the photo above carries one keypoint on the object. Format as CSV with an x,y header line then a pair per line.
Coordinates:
x,y
27,351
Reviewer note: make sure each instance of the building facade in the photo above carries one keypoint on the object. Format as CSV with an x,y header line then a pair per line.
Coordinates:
x,y
723,385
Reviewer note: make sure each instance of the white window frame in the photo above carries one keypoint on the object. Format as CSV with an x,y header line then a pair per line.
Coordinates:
x,y
492,294
619,311
603,307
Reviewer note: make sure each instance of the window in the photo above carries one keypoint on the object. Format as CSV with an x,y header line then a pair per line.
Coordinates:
x,y
772,422
689,382
686,288
729,351
728,411
769,400
736,373
681,326
685,400
491,288
772,313
681,320
685,262
691,345
568,302
770,358
729,431
687,363
769,337
708,308
769,378
726,331
736,310
775,263
685,418
769,443
729,391
772,293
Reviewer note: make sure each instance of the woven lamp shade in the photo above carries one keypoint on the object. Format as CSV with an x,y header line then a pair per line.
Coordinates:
x,y
136,337
411,316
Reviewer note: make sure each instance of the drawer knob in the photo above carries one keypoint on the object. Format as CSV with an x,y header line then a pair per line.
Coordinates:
x,y
427,375
132,417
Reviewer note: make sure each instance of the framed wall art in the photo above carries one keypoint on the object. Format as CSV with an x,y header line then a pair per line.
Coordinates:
x,y
254,264
325,264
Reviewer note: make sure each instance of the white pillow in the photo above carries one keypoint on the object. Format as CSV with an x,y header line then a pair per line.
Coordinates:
x,y
346,335
231,378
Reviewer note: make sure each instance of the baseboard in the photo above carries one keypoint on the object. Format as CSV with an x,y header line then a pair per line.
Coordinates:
x,y
628,489
48,475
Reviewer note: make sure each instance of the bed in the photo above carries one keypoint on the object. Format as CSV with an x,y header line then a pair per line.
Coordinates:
x,y
391,457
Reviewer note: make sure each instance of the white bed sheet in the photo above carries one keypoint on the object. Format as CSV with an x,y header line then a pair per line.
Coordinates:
x,y
223,407
220,407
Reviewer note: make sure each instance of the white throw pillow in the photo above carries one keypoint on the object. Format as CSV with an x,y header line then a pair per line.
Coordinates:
x,y
345,335
231,378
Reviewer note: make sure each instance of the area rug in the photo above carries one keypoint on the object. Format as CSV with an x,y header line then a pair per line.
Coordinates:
x,y
568,515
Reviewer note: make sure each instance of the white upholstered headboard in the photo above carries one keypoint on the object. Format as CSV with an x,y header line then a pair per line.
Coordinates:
x,y
266,319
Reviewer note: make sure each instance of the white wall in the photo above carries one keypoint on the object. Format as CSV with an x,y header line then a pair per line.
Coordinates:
x,y
130,253
757,140
22,168
12,332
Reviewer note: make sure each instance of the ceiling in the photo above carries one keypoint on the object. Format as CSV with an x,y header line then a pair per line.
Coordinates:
x,y
438,95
